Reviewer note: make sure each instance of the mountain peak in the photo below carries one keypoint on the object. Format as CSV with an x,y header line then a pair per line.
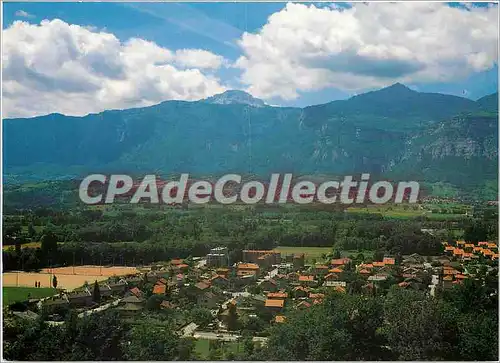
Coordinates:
x,y
235,97
397,87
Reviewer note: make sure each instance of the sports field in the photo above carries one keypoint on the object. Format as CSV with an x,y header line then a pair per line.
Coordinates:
x,y
13,294
67,277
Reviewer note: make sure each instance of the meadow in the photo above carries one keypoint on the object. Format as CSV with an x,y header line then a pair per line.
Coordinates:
x,y
13,294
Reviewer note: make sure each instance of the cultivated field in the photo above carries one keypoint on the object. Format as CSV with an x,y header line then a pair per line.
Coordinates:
x,y
67,277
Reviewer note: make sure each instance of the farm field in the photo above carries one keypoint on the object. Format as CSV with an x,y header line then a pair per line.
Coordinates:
x,y
13,294
67,277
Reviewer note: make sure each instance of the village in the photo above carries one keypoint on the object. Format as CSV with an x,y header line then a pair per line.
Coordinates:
x,y
259,291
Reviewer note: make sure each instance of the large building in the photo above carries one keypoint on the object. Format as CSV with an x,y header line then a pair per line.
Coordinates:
x,y
263,258
218,257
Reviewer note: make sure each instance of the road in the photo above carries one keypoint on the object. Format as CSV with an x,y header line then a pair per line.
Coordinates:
x,y
99,309
226,337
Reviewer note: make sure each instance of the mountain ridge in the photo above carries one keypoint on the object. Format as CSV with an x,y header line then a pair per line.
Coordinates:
x,y
372,132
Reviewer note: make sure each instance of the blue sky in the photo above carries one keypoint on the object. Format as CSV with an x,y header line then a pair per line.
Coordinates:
x,y
309,57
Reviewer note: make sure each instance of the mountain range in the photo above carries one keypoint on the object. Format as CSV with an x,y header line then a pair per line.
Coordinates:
x,y
394,133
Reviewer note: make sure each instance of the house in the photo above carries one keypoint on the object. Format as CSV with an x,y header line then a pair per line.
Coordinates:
x,y
176,262
365,272
136,292
224,272
118,287
377,278
55,302
332,277
447,281
336,270
280,319
269,285
317,297
247,269
277,295
340,262
334,283
80,298
320,270
389,261
182,267
219,281
274,305
105,290
159,289
131,305
307,280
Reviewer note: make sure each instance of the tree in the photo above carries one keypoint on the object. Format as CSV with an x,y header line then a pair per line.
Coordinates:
x,y
378,255
48,242
96,293
149,342
201,316
232,319
54,282
31,231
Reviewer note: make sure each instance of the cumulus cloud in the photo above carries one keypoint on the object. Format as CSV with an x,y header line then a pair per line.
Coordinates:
x,y
23,14
306,48
75,70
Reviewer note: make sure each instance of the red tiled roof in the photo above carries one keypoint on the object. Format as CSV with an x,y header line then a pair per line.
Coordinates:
x,y
317,296
136,291
306,278
389,261
159,289
274,303
277,295
248,266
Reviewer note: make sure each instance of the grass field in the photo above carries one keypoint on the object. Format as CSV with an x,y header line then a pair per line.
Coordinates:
x,y
310,252
13,294
316,252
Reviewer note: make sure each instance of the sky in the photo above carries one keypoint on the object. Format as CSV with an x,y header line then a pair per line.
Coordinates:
x,y
80,58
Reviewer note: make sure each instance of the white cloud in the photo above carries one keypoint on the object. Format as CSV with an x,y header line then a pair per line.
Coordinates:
x,y
23,14
305,48
75,70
